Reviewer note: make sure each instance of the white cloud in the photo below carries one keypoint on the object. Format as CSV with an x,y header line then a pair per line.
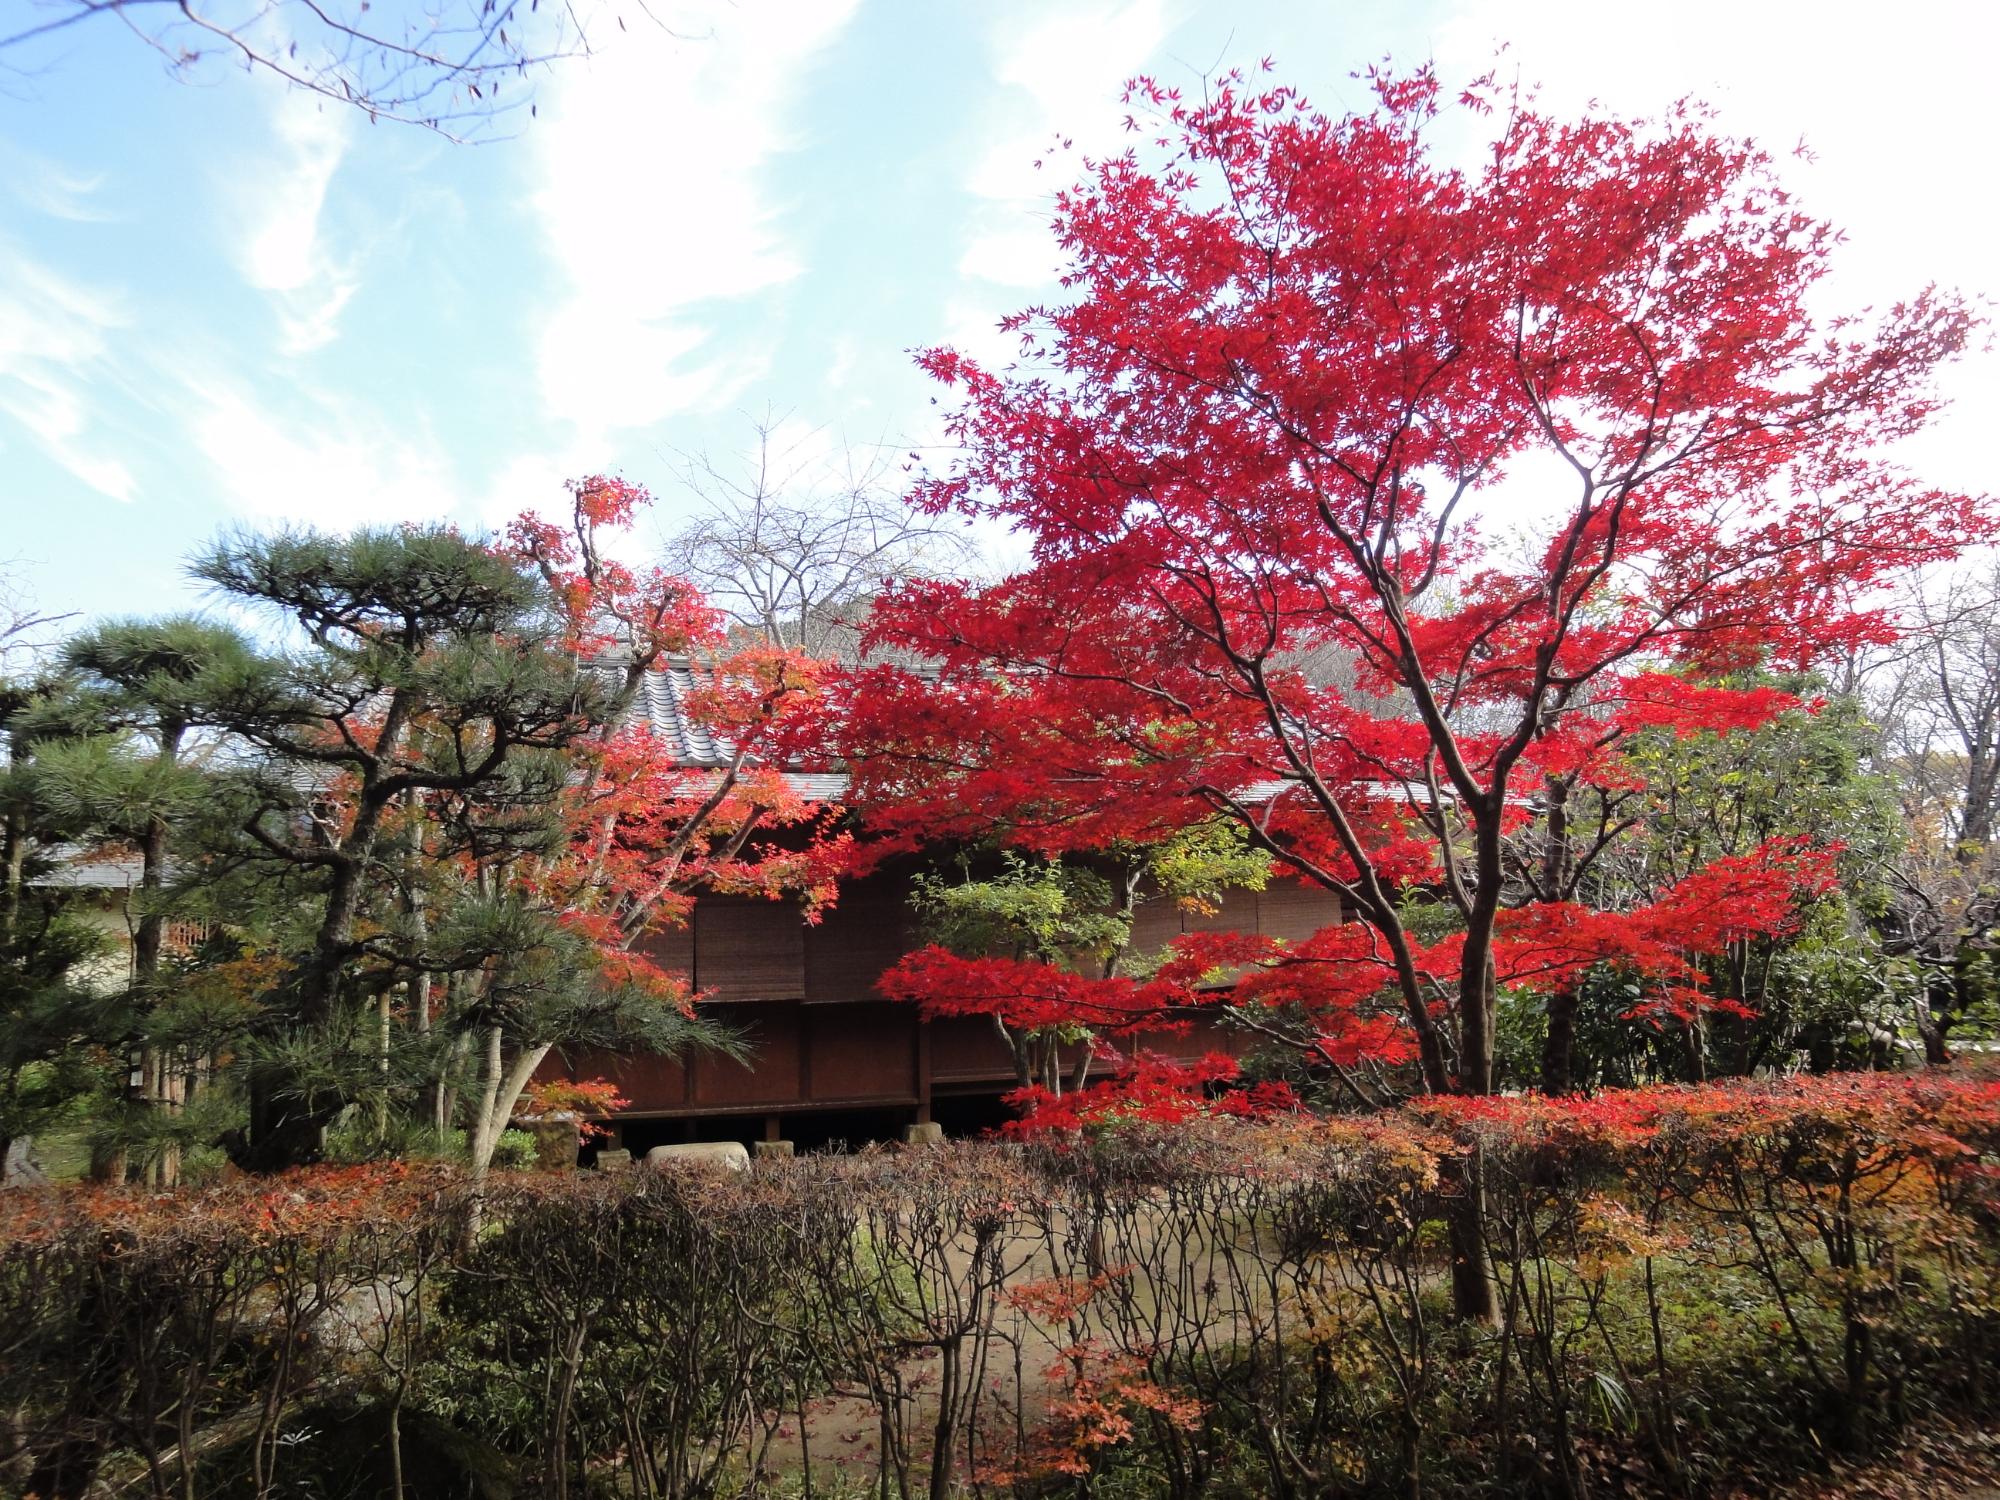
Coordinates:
x,y
282,245
653,163
325,461
1063,71
52,347
332,460
49,187
846,356
530,481
972,327
1010,244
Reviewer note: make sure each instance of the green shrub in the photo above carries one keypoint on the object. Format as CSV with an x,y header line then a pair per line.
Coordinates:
x,y
514,1151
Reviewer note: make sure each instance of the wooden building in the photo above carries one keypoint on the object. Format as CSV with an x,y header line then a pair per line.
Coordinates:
x,y
830,1058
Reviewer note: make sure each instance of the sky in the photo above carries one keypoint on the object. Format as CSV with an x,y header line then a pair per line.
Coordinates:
x,y
223,303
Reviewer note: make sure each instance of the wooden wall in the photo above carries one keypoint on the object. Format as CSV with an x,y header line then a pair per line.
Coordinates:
x,y
803,998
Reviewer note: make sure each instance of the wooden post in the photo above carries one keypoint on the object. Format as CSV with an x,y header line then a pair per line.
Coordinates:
x,y
923,1071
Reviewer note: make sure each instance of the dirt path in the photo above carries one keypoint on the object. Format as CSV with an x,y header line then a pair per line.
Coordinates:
x,y
1935,1463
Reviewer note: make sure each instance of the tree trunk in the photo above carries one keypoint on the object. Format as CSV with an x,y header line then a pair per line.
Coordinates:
x,y
1081,1077
385,1020
481,1141
447,1098
13,849
319,986
147,937
1476,987
1558,871
285,1131
1932,1026
1559,1044
1472,1291
1473,1296
501,1084
1018,1047
1697,1050
148,940
173,1097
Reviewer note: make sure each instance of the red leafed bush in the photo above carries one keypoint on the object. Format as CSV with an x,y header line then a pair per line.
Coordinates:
x,y
587,1099
1206,1277
1149,1090
305,1202
1943,1117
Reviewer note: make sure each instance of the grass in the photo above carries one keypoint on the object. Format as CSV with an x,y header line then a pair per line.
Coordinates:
x,y
64,1154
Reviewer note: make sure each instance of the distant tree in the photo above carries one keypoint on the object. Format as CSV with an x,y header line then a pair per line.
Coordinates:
x,y
1672,804
431,784
454,67
25,630
425,664
793,544
579,857
436,791
1043,948
1937,699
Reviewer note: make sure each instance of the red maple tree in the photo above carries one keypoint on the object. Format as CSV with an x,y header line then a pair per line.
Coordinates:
x,y
1368,495
650,823
646,826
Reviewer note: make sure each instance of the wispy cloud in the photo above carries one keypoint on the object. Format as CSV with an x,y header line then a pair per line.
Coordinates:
x,y
654,193
50,187
1061,71
282,246
53,347
326,460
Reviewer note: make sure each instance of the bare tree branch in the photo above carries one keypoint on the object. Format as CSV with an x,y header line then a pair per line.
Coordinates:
x,y
25,631
452,66
1935,697
793,542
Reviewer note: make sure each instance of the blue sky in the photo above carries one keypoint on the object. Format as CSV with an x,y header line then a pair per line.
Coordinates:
x,y
223,303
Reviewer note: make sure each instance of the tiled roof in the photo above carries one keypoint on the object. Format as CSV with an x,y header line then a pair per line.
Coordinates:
x,y
662,705
818,786
82,867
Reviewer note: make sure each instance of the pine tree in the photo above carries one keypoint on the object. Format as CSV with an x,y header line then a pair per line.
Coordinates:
x,y
123,772
421,665
50,1016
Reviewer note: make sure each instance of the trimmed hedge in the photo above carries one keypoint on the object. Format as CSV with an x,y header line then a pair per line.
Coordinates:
x,y
1693,1284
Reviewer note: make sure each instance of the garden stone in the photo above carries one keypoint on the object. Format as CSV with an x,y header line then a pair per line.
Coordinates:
x,y
726,1156
558,1140
19,1168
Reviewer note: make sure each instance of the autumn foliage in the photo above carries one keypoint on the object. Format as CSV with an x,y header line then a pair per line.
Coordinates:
x,y
1269,452
650,825
1696,1285
614,842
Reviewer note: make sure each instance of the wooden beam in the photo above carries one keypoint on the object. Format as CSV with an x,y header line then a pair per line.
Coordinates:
x,y
923,1030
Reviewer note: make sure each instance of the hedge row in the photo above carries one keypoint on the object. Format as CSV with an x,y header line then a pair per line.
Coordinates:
x,y
1690,1284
